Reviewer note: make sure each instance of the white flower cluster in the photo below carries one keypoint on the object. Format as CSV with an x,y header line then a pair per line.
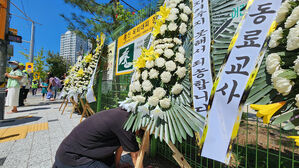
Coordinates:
x,y
293,38
273,63
293,18
275,36
297,100
296,65
282,85
153,86
283,11
79,75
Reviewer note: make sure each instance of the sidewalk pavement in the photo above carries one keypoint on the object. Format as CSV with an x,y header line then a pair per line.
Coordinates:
x,y
38,148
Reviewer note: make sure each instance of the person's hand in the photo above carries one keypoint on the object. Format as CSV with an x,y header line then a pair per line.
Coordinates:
x,y
6,74
124,165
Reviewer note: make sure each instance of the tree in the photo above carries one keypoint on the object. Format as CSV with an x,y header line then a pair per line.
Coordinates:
x,y
101,17
57,65
39,65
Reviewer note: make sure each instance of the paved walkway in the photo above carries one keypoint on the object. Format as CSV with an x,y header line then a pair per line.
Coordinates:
x,y
38,148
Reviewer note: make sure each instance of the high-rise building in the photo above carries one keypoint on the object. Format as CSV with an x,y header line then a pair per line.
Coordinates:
x,y
71,46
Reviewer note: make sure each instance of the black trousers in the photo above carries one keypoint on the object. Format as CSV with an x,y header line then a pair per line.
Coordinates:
x,y
23,95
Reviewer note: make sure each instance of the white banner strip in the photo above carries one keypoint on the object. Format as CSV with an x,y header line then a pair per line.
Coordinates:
x,y
234,77
201,62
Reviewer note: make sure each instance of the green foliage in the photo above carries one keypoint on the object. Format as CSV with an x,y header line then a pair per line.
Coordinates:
x,y
57,65
99,17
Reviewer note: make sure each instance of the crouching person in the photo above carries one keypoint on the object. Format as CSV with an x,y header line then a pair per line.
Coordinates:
x,y
98,142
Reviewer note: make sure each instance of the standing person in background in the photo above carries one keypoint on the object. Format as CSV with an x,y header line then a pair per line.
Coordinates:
x,y
44,85
13,86
27,84
54,85
34,87
62,78
23,83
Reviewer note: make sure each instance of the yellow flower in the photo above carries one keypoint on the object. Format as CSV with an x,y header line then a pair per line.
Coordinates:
x,y
149,54
66,81
157,27
88,58
73,69
164,12
140,62
296,138
80,72
272,28
267,111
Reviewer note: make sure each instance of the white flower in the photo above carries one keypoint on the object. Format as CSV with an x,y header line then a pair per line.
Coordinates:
x,y
296,67
150,64
170,66
157,113
180,58
183,28
182,50
160,62
177,89
283,11
144,75
187,10
182,6
159,93
174,11
139,98
168,53
177,41
153,101
132,107
144,110
167,40
159,51
282,85
172,26
181,72
165,77
163,28
172,17
136,76
147,85
132,88
156,42
153,74
273,63
172,5
130,94
169,45
184,17
293,18
297,100
137,86
293,38
165,103
275,36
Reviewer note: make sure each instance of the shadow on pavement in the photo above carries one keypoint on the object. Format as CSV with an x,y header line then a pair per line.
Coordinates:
x,y
17,121
34,109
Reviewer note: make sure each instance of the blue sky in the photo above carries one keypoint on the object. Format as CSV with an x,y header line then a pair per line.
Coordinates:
x,y
48,34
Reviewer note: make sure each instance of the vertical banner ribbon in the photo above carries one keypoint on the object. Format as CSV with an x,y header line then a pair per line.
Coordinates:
x,y
90,97
235,79
201,62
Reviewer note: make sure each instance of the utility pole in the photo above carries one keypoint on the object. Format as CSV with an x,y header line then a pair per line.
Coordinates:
x,y
4,14
32,43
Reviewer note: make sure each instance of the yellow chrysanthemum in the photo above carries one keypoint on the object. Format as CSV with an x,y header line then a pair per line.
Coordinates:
x,y
164,12
80,72
88,58
267,111
296,138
